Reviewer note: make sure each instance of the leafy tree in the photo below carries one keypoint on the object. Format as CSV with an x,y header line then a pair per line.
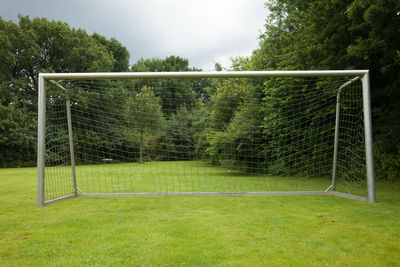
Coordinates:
x,y
225,102
144,114
218,67
227,98
17,139
39,45
236,136
174,93
184,136
178,136
201,127
345,34
119,52
107,133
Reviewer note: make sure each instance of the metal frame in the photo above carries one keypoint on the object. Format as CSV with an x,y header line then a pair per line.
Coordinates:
x,y
333,186
359,74
276,193
70,138
41,149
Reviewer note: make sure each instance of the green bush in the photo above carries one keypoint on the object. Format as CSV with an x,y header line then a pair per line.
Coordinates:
x,y
387,162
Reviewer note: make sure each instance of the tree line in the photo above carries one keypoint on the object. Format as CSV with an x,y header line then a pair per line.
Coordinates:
x,y
343,34
298,35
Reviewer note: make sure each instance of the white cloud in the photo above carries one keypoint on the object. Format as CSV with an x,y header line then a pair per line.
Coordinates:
x,y
204,31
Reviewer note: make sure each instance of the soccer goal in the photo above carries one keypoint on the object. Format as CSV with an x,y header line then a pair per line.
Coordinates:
x,y
205,133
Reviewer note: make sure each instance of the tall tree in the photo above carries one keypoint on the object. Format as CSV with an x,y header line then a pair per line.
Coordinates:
x,y
174,93
343,34
39,45
119,52
144,114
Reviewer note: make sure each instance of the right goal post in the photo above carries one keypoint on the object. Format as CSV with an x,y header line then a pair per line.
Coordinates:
x,y
205,133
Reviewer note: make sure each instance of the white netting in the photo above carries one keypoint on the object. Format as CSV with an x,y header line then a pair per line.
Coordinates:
x,y
204,135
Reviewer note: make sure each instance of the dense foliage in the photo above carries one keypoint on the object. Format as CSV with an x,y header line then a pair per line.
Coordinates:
x,y
201,118
38,45
143,112
343,34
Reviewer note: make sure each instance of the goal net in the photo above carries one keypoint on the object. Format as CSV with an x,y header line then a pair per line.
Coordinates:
x,y
198,133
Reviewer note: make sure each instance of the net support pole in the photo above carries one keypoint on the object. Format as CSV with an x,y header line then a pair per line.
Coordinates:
x,y
336,143
71,143
337,124
369,156
41,141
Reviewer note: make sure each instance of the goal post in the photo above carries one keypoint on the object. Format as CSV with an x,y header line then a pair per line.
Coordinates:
x,y
105,166
369,154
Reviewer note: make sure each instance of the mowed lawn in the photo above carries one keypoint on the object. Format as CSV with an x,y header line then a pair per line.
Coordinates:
x,y
196,231
180,176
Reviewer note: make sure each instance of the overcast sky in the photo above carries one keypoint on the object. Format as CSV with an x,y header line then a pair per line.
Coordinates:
x,y
203,31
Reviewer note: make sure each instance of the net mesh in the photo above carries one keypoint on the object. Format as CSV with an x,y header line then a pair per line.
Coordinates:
x,y
204,135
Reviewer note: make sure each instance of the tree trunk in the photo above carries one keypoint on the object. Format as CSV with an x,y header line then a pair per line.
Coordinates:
x,y
141,148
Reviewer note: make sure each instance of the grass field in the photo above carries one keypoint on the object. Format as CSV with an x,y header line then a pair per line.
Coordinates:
x,y
180,176
196,231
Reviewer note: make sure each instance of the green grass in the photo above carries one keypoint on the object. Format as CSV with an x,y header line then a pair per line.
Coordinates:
x,y
179,176
196,231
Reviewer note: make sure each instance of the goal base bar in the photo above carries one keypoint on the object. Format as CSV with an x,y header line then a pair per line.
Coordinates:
x,y
277,193
355,197
59,199
206,194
